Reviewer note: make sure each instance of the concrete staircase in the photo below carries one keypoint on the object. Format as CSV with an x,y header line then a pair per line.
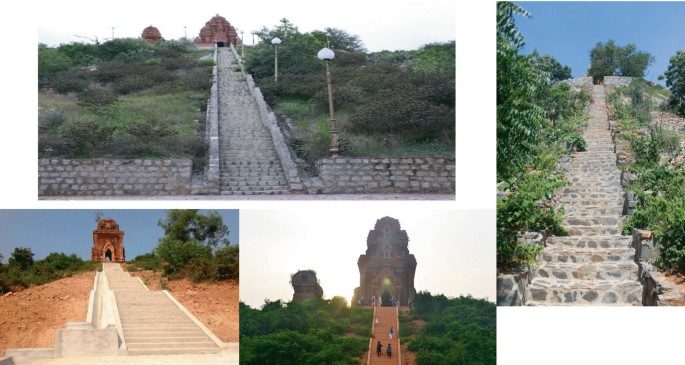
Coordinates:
x,y
387,317
595,265
248,161
152,322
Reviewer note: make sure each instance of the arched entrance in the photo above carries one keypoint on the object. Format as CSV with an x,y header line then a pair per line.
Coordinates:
x,y
108,254
387,291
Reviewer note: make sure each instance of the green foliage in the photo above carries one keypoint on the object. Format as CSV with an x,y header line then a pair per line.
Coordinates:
x,y
609,59
675,81
311,332
97,98
82,136
23,271
21,257
457,330
519,119
556,71
435,57
370,89
148,261
189,225
149,130
187,247
521,211
177,254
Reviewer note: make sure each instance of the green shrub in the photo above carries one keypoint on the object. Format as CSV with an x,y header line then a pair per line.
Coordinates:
x,y
227,262
84,135
97,98
402,115
50,120
177,254
67,81
148,261
520,212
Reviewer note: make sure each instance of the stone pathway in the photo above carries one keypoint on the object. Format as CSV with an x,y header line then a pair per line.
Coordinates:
x,y
152,323
248,161
594,265
387,317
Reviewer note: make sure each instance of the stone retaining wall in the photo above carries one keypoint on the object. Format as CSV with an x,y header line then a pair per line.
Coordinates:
x,y
511,288
617,80
579,82
346,175
99,176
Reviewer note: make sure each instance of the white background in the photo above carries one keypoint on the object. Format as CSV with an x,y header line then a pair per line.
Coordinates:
x,y
525,335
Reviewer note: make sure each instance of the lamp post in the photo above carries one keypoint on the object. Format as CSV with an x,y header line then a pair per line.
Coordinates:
x,y
276,41
327,55
185,32
112,33
242,45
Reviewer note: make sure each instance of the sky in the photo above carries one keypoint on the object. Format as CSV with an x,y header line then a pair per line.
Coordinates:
x,y
391,25
569,30
70,231
454,249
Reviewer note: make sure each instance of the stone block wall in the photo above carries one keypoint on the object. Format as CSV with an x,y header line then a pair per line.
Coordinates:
x,y
349,175
579,82
512,288
617,81
212,178
109,177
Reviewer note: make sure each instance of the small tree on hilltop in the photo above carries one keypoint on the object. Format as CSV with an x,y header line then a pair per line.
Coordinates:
x,y
557,72
22,257
675,80
609,59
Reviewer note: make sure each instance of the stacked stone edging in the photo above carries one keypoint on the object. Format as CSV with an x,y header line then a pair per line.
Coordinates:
x,y
113,177
269,120
349,175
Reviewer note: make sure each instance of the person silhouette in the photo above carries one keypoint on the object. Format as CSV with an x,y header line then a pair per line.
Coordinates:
x,y
379,348
389,350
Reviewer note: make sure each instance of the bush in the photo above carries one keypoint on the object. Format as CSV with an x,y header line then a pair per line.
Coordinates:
x,y
84,135
402,115
97,98
227,262
148,261
177,254
50,120
67,81
521,211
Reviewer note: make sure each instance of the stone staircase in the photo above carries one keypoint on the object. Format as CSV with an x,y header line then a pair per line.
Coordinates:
x,y
248,160
595,264
387,317
152,323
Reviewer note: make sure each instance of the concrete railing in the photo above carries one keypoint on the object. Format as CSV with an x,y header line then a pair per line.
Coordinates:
x,y
269,120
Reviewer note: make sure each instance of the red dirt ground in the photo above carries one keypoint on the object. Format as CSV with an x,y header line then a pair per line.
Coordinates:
x,y
31,317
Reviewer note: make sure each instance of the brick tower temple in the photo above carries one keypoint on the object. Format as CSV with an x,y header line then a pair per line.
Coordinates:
x,y
108,242
387,269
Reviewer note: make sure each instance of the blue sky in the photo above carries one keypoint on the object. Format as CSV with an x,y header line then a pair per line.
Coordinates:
x,y
569,30
71,230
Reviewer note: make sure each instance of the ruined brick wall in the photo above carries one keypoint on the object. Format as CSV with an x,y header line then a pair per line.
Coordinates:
x,y
60,177
345,175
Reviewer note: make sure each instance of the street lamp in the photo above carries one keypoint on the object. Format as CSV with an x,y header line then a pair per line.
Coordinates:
x,y
242,45
276,41
327,55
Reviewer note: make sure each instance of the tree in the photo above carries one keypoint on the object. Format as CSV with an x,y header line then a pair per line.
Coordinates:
x,y
557,72
340,39
189,238
435,57
519,119
188,225
21,257
610,59
675,80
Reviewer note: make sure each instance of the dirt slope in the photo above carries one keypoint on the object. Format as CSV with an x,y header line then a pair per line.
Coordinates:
x,y
30,318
